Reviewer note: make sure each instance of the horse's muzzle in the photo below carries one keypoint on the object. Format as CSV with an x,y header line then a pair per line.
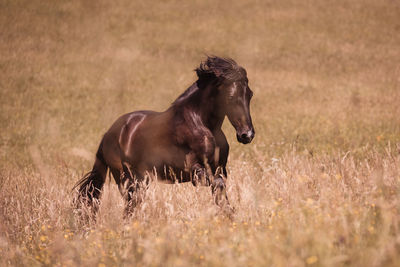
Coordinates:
x,y
245,137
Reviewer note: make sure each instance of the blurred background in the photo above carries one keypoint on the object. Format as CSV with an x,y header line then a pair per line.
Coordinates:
x,y
325,73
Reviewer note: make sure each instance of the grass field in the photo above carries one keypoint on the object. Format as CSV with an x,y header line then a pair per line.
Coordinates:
x,y
319,185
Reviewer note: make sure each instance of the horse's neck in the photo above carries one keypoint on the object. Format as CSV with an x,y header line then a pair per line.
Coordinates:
x,y
203,103
207,108
214,121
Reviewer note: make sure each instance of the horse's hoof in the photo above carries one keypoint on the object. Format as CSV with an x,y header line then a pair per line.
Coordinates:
x,y
230,210
227,211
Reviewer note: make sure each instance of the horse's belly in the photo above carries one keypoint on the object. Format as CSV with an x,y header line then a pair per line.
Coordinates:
x,y
169,164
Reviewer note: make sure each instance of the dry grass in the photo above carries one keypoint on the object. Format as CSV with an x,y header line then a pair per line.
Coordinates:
x,y
318,186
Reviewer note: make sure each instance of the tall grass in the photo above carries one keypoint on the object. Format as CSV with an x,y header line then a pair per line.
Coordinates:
x,y
295,210
319,185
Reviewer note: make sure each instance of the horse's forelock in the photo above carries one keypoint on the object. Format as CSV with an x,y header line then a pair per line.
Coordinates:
x,y
225,68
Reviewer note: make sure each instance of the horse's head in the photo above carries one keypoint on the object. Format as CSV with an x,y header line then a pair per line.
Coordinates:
x,y
234,94
237,96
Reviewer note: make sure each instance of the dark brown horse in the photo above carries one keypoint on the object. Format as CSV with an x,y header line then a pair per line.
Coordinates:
x,y
184,143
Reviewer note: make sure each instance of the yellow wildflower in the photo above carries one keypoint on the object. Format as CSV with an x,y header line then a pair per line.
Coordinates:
x,y
311,260
371,229
135,225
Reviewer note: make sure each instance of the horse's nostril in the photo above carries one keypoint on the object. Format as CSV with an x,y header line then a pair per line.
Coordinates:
x,y
243,136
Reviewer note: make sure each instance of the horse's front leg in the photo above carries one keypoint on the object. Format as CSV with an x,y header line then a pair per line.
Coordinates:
x,y
213,178
198,172
218,189
205,158
200,176
221,153
208,175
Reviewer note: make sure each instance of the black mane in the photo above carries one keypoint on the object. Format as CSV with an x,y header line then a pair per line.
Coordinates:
x,y
214,69
219,67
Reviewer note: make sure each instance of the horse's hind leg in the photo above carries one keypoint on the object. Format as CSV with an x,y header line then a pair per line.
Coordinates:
x,y
117,175
131,189
124,181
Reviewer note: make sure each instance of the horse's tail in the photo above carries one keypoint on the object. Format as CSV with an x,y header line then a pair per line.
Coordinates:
x,y
91,184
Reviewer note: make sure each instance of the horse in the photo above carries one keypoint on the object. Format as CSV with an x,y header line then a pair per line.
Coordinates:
x,y
185,143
